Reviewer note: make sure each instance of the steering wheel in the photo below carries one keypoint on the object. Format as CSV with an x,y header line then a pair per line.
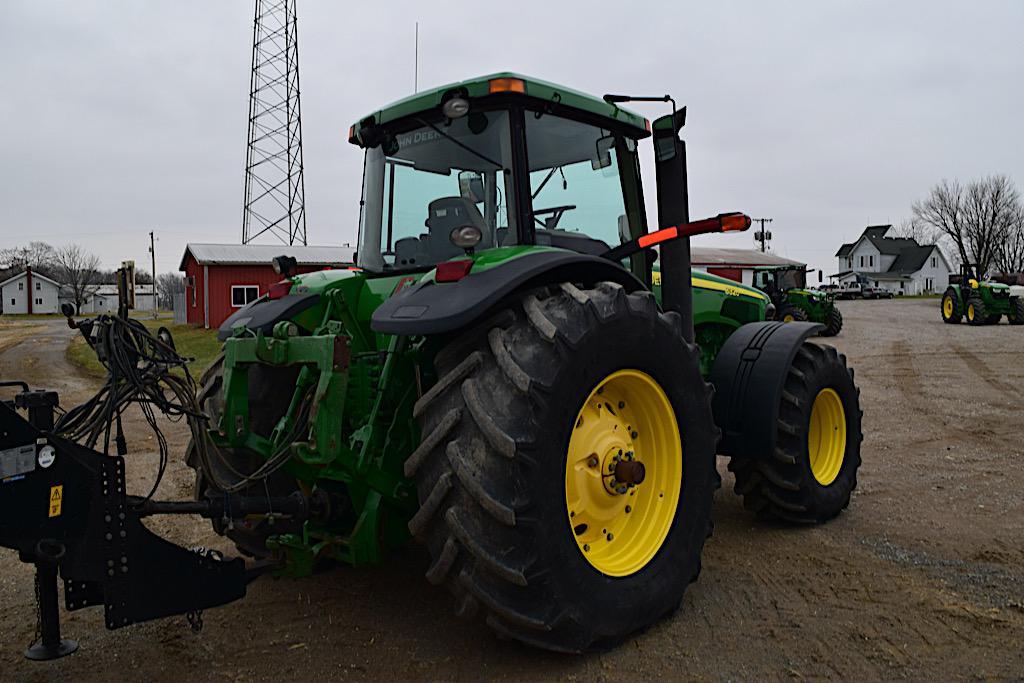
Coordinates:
x,y
556,211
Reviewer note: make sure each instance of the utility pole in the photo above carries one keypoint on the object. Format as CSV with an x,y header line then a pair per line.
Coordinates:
x,y
762,236
152,254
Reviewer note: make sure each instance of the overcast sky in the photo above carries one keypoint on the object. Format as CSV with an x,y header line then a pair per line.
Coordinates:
x,y
121,117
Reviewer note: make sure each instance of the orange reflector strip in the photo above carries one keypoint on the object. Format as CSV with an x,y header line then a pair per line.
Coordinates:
x,y
507,85
657,237
647,125
351,132
734,222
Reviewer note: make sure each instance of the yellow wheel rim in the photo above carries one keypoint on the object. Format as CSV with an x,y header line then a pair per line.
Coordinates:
x,y
788,318
619,523
970,311
947,307
826,436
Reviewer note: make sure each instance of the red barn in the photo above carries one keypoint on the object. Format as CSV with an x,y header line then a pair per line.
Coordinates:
x,y
221,278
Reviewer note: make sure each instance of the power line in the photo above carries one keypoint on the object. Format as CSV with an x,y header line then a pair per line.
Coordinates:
x,y
762,235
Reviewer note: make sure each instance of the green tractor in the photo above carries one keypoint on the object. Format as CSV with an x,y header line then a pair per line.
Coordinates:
x,y
794,301
982,302
498,380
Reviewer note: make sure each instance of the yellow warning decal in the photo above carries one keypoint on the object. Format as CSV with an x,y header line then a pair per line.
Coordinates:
x,y
56,499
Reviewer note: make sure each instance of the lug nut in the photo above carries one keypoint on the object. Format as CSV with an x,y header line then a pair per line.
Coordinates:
x,y
610,536
592,461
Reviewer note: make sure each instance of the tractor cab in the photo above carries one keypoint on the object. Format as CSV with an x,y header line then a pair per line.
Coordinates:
x,y
776,281
497,163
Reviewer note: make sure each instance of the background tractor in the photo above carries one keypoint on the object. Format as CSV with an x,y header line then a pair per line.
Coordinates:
x,y
503,378
793,301
981,302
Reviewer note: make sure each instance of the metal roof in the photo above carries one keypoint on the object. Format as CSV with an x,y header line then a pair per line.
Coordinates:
x,y
717,256
261,254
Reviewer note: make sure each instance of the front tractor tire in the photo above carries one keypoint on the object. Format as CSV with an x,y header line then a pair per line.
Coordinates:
x,y
813,470
833,322
567,467
952,308
790,314
975,311
1016,314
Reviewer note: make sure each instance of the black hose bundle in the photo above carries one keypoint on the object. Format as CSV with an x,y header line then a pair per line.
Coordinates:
x,y
139,370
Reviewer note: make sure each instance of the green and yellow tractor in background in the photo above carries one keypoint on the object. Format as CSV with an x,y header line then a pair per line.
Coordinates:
x,y
980,301
507,377
794,301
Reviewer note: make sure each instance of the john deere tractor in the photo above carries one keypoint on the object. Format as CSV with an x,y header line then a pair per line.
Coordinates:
x,y
502,378
794,301
982,302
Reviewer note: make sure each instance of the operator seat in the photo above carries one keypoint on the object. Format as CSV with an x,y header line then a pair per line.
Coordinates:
x,y
444,215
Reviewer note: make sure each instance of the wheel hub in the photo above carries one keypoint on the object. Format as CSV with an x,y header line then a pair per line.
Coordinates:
x,y
623,473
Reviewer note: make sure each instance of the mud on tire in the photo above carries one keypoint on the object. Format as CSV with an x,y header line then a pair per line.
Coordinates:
x,y
491,468
782,485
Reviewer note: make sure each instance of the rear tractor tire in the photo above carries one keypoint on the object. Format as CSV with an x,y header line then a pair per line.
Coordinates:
x,y
952,308
813,471
1016,314
975,311
567,467
790,314
833,322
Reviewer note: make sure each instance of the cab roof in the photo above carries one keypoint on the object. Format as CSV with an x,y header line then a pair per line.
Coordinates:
x,y
532,87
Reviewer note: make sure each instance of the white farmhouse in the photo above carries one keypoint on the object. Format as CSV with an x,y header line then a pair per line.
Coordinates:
x,y
898,264
104,299
29,292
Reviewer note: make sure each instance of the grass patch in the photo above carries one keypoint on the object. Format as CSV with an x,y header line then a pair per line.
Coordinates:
x,y
191,342
12,333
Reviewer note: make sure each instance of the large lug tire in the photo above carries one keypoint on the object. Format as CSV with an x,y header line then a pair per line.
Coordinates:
x,y
833,322
788,314
267,404
813,471
1016,314
994,319
975,311
495,471
952,308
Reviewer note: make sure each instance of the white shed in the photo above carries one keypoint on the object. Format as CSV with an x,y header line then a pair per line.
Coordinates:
x,y
29,292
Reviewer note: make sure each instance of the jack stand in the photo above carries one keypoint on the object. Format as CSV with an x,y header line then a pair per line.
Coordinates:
x,y
50,646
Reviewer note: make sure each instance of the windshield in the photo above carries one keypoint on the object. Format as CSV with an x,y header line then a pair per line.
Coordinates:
x,y
576,173
436,178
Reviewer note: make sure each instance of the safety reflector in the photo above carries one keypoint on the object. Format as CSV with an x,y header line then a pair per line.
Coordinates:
x,y
659,236
279,289
453,271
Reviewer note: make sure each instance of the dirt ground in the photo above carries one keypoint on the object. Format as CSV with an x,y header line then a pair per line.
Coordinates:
x,y
922,578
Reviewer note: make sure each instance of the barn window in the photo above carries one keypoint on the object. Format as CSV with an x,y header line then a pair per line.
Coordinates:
x,y
21,286
13,302
244,294
38,286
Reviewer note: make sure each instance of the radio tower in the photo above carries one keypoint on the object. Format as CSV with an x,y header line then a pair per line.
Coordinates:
x,y
274,190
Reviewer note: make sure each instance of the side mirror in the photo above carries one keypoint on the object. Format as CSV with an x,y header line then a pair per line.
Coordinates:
x,y
603,155
471,186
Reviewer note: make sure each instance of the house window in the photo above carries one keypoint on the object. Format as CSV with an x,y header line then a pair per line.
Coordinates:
x,y
927,284
39,301
21,286
13,303
38,286
244,294
871,261
934,262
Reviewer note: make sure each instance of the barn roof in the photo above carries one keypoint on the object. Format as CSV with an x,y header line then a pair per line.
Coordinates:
x,y
261,254
720,256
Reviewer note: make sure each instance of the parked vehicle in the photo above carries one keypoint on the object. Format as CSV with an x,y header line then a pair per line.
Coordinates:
x,y
982,302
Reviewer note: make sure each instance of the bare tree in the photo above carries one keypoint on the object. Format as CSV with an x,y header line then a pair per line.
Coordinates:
x,y
977,219
79,273
39,256
1010,257
167,285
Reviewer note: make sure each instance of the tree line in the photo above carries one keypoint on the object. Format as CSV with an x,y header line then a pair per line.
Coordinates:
x,y
981,222
79,271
